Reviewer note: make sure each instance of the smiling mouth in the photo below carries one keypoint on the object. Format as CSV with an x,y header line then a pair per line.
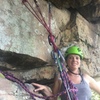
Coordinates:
x,y
74,64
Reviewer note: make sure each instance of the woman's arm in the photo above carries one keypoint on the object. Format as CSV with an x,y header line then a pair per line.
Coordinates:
x,y
93,84
57,85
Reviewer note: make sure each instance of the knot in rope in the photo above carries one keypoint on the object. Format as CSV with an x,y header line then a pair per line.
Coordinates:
x,y
51,39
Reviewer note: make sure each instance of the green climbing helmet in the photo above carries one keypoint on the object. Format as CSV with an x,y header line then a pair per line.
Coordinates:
x,y
74,50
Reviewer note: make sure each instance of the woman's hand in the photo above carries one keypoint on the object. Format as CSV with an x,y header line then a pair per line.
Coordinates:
x,y
45,89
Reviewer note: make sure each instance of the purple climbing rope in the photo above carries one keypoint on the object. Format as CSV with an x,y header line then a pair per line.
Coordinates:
x,y
70,90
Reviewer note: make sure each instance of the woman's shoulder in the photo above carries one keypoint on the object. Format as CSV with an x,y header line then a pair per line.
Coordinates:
x,y
57,77
92,83
86,77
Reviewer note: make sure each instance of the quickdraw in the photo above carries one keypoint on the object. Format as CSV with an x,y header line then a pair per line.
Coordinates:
x,y
70,90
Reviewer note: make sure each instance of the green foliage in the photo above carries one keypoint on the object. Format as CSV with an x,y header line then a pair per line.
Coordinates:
x,y
95,96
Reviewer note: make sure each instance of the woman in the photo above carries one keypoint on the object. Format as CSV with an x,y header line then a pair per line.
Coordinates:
x,y
82,82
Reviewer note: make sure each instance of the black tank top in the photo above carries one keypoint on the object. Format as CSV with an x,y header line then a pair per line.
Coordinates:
x,y
83,93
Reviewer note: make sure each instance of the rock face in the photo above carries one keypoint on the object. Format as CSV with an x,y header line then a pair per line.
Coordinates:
x,y
12,91
23,34
89,9
24,47
16,61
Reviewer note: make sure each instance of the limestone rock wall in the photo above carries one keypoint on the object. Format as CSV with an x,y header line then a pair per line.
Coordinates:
x,y
89,41
20,32
14,91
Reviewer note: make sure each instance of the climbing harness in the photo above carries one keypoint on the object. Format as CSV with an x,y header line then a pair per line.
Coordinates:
x,y
59,60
